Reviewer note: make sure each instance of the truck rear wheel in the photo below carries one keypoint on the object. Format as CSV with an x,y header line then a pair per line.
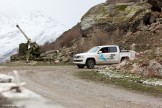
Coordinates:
x,y
90,63
80,66
126,59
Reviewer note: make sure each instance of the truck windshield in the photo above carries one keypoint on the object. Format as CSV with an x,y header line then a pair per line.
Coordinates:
x,y
94,49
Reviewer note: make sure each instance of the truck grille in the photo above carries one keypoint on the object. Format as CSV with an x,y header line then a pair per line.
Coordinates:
x,y
78,60
76,57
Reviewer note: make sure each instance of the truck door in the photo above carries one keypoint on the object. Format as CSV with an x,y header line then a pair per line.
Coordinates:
x,y
103,56
113,55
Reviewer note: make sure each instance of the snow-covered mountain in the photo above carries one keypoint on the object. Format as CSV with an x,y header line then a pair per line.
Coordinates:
x,y
38,26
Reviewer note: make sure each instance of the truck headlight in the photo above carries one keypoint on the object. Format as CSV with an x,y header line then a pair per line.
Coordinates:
x,y
80,56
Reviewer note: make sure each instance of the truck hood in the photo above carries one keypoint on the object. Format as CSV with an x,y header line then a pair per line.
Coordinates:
x,y
82,54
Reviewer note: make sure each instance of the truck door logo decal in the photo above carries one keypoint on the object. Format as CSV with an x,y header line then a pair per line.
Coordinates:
x,y
112,56
101,56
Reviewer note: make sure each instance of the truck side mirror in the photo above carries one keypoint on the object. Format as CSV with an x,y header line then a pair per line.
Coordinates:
x,y
99,52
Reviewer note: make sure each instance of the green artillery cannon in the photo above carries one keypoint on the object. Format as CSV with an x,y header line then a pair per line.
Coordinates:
x,y
29,50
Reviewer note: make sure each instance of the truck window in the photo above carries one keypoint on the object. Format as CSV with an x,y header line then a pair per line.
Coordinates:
x,y
104,50
94,49
112,49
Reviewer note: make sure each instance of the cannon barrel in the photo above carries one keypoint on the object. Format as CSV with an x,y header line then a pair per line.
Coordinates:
x,y
24,34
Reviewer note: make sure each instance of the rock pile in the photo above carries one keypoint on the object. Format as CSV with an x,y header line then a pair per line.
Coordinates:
x,y
151,69
63,55
49,55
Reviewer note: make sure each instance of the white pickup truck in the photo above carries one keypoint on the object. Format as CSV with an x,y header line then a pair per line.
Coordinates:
x,y
108,54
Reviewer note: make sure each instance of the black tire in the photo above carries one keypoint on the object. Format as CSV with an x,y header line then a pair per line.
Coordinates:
x,y
80,66
90,63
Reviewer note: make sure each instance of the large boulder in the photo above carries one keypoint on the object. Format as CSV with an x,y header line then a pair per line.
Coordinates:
x,y
122,1
106,23
155,68
113,14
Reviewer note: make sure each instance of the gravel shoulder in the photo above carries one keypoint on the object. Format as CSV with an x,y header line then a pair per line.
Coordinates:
x,y
58,83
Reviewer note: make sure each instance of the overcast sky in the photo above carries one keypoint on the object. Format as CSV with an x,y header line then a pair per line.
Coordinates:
x,y
68,12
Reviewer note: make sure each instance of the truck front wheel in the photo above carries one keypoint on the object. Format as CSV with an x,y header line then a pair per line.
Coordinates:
x,y
90,63
80,66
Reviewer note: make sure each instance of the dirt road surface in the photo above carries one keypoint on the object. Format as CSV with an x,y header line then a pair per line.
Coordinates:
x,y
58,84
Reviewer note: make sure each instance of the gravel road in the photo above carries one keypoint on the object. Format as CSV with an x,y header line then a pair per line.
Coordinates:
x,y
58,84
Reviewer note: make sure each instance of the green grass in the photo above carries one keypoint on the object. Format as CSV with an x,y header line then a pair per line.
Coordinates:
x,y
125,83
122,7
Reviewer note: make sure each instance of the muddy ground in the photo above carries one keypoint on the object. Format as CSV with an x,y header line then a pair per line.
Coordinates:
x,y
60,85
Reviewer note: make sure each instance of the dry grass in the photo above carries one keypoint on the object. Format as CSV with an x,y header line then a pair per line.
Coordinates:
x,y
131,83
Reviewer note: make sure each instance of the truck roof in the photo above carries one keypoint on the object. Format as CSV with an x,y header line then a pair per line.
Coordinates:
x,y
108,46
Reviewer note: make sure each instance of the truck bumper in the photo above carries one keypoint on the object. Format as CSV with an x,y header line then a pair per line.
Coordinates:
x,y
79,61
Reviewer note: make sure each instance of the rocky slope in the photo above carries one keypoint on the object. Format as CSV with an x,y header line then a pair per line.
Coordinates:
x,y
128,22
125,24
113,21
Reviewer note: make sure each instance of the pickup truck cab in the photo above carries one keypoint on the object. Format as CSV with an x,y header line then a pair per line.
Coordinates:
x,y
108,54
